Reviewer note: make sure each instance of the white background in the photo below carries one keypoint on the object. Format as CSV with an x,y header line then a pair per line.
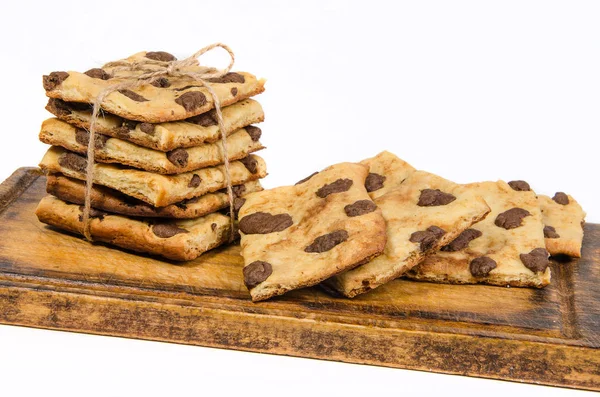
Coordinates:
x,y
471,90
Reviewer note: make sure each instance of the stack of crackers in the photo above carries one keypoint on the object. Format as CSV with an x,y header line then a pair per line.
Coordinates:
x,y
159,176
354,227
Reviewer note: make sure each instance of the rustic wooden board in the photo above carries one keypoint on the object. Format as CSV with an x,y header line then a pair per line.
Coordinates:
x,y
49,279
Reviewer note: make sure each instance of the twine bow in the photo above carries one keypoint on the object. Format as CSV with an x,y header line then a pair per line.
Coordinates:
x,y
160,69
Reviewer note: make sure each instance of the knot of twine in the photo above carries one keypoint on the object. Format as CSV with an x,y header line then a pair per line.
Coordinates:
x,y
159,69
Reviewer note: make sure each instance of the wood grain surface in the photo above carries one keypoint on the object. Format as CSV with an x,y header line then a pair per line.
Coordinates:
x,y
50,279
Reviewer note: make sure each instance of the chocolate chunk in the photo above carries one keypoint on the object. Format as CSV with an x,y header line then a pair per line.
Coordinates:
x,y
54,79
83,138
434,198
213,226
125,129
94,213
166,230
73,162
160,56
254,132
462,241
256,272
161,82
191,100
195,181
536,260
238,190
264,223
238,202
327,241
550,232
250,163
133,96
97,73
178,157
147,128
519,186
482,266
427,238
561,198
205,119
374,182
512,218
341,185
229,78
58,107
234,91
360,207
306,179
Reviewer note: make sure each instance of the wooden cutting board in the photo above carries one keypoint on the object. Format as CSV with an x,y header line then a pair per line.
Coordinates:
x,y
49,279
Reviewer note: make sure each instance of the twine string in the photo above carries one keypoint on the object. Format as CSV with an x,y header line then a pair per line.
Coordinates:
x,y
149,75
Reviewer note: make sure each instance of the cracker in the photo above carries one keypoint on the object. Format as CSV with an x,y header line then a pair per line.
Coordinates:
x,y
155,189
163,136
563,220
106,199
168,99
423,213
498,248
386,173
113,150
297,236
179,240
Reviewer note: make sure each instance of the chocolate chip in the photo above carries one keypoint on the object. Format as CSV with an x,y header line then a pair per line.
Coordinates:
x,y
205,119
427,238
160,56
264,223
462,241
54,79
536,260
550,232
83,138
133,96
125,129
256,272
306,179
341,185
374,182
234,91
254,132
195,181
434,198
147,128
238,190
73,162
58,107
482,266
519,186
512,218
191,100
250,163
166,230
213,226
327,241
178,157
561,198
229,78
97,73
238,202
94,213
161,82
360,207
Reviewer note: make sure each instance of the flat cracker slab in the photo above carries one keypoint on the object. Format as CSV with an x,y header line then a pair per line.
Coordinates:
x,y
180,240
162,136
563,224
171,99
297,236
106,199
503,246
386,172
407,217
155,189
114,150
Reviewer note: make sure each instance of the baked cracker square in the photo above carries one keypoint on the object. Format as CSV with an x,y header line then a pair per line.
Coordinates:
x,y
563,220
